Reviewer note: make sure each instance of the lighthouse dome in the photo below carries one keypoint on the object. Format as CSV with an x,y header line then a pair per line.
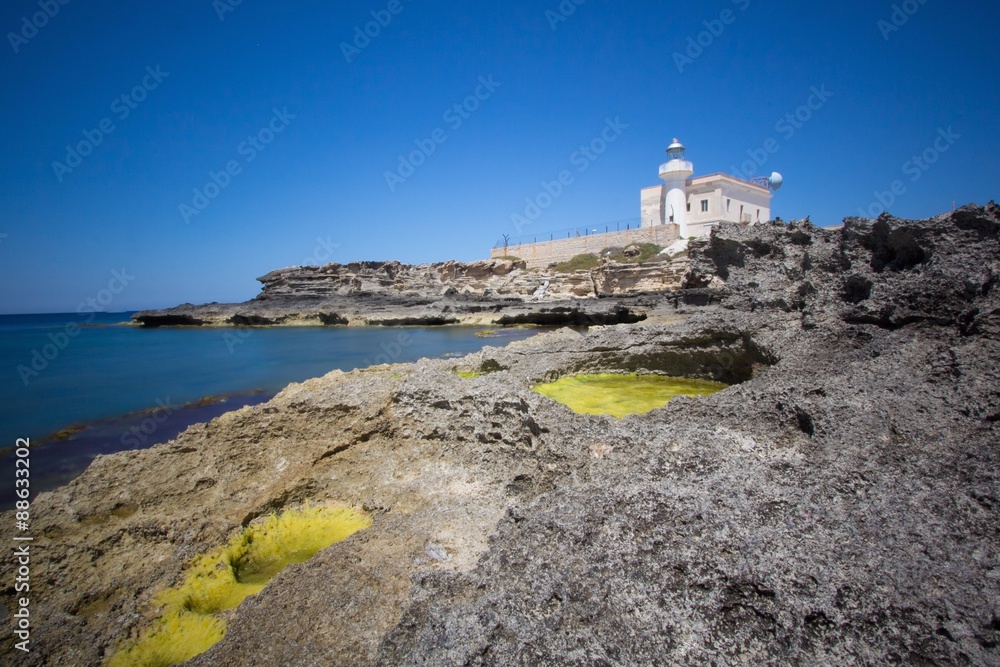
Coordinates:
x,y
676,150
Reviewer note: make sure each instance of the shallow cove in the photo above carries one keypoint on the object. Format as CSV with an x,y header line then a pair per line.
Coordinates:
x,y
620,395
188,625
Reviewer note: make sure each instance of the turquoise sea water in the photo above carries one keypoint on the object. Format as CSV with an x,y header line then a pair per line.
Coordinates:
x,y
125,388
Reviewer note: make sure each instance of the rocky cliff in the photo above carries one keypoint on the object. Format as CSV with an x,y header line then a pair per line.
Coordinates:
x,y
837,505
485,292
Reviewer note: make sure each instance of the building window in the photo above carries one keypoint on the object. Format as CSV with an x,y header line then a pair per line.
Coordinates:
x,y
689,207
704,206
758,215
729,203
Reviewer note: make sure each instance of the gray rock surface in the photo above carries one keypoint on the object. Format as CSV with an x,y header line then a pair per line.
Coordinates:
x,y
838,505
839,508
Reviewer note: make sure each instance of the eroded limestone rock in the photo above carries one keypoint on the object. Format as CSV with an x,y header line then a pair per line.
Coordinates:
x,y
837,505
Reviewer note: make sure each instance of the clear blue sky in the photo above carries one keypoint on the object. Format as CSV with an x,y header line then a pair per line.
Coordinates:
x,y
893,94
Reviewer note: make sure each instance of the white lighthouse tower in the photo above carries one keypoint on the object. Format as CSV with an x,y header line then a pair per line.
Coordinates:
x,y
675,173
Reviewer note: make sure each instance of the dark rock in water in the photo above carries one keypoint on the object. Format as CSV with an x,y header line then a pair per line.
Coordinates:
x,y
333,319
415,322
254,320
167,320
574,317
838,504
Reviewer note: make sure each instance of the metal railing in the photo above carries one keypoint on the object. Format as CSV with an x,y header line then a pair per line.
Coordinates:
x,y
625,224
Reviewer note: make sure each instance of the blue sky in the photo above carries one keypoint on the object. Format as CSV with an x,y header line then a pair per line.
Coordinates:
x,y
300,132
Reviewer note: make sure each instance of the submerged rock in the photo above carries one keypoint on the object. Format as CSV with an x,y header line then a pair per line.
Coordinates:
x,y
838,504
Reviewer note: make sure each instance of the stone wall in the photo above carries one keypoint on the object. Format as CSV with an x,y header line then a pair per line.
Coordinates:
x,y
540,255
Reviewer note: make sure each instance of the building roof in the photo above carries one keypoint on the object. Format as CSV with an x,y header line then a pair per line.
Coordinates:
x,y
719,176
708,178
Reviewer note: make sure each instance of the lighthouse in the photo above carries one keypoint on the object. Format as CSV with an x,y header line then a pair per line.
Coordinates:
x,y
697,204
675,174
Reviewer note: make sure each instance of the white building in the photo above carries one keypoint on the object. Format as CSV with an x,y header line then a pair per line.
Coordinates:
x,y
696,204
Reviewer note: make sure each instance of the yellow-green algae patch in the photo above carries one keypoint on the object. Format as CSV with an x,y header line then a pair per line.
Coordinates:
x,y
620,395
187,624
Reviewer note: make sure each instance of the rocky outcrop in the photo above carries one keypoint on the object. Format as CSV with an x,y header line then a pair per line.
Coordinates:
x,y
391,293
890,272
838,504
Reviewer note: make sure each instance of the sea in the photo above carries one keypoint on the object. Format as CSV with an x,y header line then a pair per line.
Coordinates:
x,y
78,387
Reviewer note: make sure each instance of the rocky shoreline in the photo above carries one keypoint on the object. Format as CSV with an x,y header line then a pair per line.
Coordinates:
x,y
492,292
838,504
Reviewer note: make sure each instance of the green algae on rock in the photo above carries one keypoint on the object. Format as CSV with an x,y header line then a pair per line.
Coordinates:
x,y
620,395
187,624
